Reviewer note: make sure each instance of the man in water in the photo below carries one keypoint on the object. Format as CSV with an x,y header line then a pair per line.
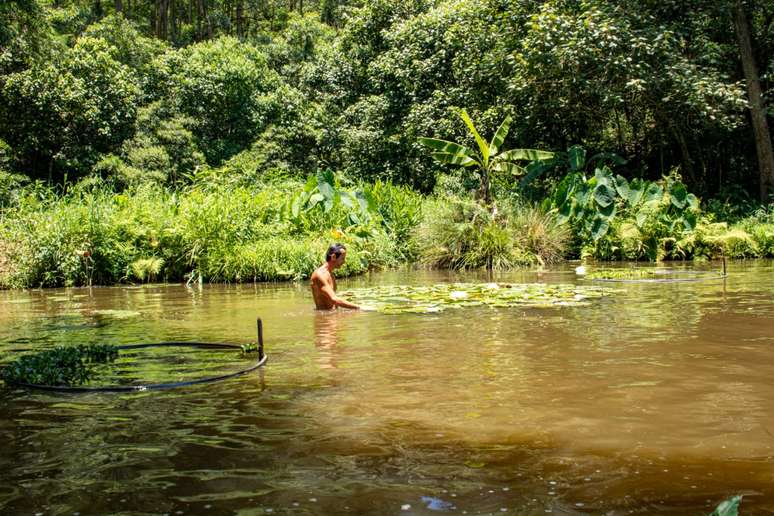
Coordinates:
x,y
324,284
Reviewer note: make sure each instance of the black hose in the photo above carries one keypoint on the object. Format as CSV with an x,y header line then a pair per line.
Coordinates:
x,y
262,359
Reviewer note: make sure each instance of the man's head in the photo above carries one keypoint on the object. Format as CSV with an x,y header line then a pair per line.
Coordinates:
x,y
336,255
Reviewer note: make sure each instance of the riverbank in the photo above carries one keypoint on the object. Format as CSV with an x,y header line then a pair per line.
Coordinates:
x,y
91,234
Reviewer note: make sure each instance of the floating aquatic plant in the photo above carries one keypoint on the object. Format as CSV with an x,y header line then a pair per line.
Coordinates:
x,y
63,365
652,275
625,274
395,299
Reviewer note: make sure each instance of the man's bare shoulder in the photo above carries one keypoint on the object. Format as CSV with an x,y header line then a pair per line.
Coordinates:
x,y
321,275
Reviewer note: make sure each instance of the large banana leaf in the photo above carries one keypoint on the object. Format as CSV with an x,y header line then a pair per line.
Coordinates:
x,y
482,145
499,136
508,167
455,159
524,154
446,146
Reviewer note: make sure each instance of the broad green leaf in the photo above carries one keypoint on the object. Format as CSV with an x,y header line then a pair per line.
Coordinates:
x,y
346,199
692,201
635,193
446,146
564,190
641,218
729,507
295,209
534,170
525,154
315,199
577,157
454,159
509,168
326,189
689,220
622,187
583,194
565,212
482,145
653,193
599,228
678,195
604,176
499,136
604,195
326,177
607,212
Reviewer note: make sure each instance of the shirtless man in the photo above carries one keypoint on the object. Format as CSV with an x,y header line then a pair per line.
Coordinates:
x,y
324,284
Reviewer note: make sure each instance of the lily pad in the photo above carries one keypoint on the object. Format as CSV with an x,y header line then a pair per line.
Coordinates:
x,y
118,314
401,299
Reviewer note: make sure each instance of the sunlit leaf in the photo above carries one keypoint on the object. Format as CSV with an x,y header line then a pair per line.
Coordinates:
x,y
500,135
604,195
577,157
482,145
729,507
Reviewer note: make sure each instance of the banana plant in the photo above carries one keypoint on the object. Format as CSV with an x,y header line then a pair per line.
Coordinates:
x,y
488,159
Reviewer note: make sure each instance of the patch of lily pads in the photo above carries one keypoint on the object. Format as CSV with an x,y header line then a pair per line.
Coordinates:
x,y
399,299
651,275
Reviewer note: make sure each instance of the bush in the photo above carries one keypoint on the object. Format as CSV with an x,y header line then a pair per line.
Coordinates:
x,y
462,235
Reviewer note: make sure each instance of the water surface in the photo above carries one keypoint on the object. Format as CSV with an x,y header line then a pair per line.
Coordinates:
x,y
656,399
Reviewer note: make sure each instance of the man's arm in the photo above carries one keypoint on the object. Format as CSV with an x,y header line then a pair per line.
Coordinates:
x,y
328,292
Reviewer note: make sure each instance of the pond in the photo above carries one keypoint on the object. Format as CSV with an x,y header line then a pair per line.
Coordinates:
x,y
652,398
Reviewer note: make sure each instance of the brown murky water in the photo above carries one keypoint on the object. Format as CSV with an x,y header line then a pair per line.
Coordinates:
x,y
657,399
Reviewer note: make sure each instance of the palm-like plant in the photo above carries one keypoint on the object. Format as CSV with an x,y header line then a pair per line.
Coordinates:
x,y
489,159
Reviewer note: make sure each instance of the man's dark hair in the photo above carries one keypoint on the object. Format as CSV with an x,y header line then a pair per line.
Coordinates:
x,y
335,249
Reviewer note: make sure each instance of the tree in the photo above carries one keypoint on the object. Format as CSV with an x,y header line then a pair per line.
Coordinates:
x,y
756,102
489,159
59,116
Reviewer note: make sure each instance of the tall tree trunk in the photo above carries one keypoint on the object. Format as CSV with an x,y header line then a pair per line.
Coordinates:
x,y
173,19
162,8
199,17
119,6
757,106
239,19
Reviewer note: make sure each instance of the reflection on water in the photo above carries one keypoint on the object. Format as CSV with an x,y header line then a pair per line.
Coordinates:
x,y
656,399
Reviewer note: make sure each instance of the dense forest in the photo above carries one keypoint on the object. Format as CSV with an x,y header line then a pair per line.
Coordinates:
x,y
122,123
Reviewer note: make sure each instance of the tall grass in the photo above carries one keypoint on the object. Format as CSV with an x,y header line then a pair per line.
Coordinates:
x,y
93,235
461,234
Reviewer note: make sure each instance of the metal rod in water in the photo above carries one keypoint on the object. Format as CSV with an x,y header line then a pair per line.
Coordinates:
x,y
260,339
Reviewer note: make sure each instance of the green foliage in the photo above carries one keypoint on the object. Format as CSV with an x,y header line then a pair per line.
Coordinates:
x,y
613,217
462,235
127,46
25,35
85,104
400,299
93,234
490,157
226,87
729,507
61,366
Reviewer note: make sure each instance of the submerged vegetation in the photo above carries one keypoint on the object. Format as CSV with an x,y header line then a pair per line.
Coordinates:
x,y
60,366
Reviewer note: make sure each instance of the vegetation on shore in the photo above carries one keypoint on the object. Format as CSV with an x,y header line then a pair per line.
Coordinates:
x,y
202,146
